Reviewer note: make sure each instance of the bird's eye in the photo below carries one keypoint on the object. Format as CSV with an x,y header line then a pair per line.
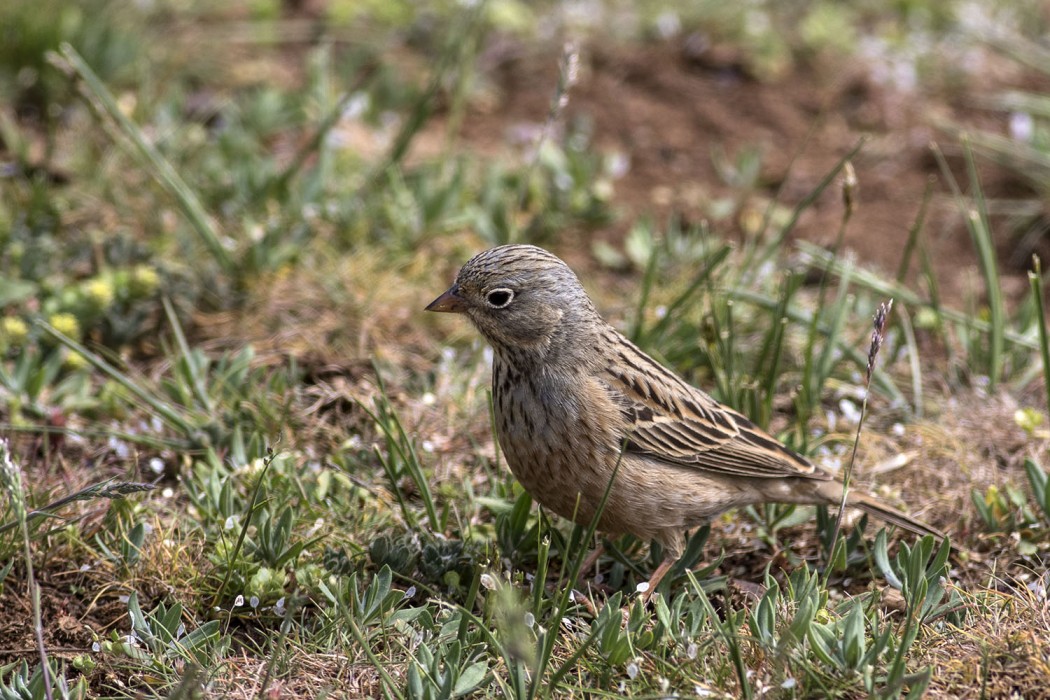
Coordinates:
x,y
499,298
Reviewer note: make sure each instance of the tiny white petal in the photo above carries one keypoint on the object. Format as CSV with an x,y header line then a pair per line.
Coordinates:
x,y
238,601
254,601
1022,126
642,587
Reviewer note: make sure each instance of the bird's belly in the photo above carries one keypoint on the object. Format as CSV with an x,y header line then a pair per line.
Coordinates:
x,y
648,498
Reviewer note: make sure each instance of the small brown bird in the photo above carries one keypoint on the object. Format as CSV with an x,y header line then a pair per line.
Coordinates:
x,y
574,398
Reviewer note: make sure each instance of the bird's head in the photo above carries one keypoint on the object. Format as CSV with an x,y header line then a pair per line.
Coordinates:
x,y
520,297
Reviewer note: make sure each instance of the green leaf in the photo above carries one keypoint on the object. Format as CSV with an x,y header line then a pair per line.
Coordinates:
x,y
470,678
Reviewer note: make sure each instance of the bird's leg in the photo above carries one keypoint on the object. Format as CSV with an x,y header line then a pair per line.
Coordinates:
x,y
657,576
590,562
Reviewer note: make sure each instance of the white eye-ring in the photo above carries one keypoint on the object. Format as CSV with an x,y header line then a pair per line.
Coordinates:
x,y
500,297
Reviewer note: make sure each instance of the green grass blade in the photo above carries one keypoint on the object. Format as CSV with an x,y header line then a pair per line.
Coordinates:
x,y
1035,279
166,412
159,167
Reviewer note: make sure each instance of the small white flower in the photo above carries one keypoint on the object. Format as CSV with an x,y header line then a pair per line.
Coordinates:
x,y
530,620
617,165
156,465
668,24
632,670
850,412
428,446
428,399
254,601
789,684
357,105
1022,126
231,522
238,601
410,592
488,582
96,647
691,650
119,447
642,587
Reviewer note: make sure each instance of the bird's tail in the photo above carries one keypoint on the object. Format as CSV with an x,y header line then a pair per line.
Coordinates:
x,y
832,492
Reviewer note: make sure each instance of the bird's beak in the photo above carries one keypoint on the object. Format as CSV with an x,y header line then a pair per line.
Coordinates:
x,y
450,302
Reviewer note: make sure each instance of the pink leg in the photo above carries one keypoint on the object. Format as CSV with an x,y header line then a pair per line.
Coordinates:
x,y
657,576
590,562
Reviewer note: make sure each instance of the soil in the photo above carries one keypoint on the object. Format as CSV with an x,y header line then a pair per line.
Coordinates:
x,y
668,107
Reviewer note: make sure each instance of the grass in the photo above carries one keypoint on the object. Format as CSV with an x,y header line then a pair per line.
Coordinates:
x,y
239,461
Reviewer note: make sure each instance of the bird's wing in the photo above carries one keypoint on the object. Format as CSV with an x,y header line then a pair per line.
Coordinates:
x,y
672,421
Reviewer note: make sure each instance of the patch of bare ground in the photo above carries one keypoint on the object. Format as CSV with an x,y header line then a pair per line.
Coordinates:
x,y
299,674
669,107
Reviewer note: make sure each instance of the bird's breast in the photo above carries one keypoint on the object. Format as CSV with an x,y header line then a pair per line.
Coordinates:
x,y
560,433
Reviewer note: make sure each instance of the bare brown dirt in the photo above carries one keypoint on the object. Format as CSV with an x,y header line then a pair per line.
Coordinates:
x,y
668,107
